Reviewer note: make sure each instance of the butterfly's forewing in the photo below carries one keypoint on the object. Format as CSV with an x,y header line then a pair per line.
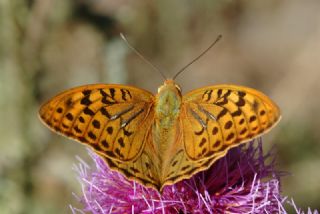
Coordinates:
x,y
221,117
113,119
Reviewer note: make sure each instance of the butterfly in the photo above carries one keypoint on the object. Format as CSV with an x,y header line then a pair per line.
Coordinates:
x,y
158,140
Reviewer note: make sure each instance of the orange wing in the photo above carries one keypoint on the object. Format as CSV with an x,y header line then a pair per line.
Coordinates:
x,y
113,119
217,118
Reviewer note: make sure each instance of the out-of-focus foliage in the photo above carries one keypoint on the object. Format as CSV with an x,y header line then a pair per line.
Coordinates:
x,y
47,46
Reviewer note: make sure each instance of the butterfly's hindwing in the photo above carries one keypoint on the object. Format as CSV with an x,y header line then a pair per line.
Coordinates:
x,y
143,169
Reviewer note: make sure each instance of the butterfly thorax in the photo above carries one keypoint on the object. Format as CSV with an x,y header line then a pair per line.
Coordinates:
x,y
168,103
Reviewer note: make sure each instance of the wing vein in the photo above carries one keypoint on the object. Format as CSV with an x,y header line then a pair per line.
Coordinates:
x,y
146,136
209,137
126,122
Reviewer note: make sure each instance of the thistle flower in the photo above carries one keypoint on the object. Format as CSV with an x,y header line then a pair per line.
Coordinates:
x,y
244,181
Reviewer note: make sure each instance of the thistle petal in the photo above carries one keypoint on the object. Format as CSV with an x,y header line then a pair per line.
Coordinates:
x,y
244,181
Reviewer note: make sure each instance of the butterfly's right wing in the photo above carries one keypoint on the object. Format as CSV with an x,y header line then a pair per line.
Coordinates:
x,y
215,119
220,117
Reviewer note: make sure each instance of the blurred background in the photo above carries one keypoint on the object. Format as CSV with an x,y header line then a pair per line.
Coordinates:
x,y
47,46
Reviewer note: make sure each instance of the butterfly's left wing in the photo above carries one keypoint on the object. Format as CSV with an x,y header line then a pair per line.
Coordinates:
x,y
215,119
114,120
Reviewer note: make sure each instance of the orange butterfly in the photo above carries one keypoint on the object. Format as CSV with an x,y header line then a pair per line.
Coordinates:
x,y
160,139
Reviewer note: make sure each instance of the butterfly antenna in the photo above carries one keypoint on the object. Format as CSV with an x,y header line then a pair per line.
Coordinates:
x,y
140,55
198,57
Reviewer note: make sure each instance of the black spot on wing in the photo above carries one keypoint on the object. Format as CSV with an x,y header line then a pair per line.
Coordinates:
x,y
222,113
230,136
121,142
217,144
199,132
103,93
241,93
104,100
81,119
255,105
226,95
86,92
88,111
68,102
236,113
241,102
252,119
105,113
203,141
96,124
108,99
69,116
105,143
96,147
92,135
76,128
174,163
86,101
219,93
204,150
127,133
215,130
112,92
185,167
82,139
125,93
228,125
243,131
110,130
65,126
208,94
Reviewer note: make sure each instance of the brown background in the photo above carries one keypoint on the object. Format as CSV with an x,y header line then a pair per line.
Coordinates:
x,y
47,46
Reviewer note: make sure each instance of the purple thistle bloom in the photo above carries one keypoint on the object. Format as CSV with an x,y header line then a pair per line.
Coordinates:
x,y
244,181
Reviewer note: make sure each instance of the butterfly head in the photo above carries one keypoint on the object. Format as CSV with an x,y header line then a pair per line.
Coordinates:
x,y
170,84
